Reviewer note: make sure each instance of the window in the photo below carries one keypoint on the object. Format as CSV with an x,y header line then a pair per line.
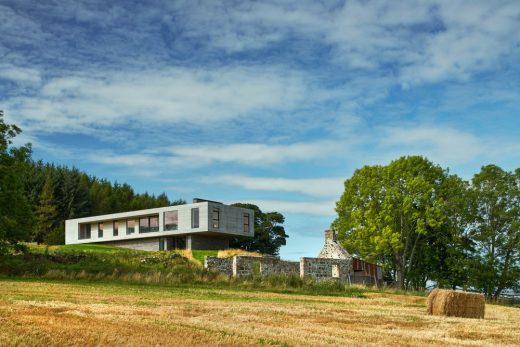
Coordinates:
x,y
335,271
130,227
215,217
115,228
84,231
144,225
195,217
100,230
148,224
154,223
246,222
171,220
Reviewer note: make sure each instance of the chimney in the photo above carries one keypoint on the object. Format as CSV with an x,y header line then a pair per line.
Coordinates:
x,y
331,235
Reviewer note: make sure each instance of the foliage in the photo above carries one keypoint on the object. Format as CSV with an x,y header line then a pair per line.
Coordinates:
x,y
386,212
16,218
46,212
495,229
269,232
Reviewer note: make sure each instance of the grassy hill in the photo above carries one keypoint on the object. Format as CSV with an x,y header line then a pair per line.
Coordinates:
x,y
98,263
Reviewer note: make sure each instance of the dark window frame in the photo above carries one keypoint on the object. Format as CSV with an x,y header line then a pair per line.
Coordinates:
x,y
172,226
84,234
115,228
128,232
215,222
246,222
195,218
149,228
100,230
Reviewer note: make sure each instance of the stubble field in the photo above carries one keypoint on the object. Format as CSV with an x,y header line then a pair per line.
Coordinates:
x,y
49,313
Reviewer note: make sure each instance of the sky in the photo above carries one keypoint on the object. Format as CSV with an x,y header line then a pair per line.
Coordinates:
x,y
270,102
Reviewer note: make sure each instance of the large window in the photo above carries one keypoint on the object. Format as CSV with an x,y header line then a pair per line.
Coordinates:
x,y
148,224
154,223
100,230
246,222
171,220
115,228
215,217
195,218
84,231
130,227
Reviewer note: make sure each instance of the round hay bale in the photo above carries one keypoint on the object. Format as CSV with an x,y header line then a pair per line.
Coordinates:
x,y
443,302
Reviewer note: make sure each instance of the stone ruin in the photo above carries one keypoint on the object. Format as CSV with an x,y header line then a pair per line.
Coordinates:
x,y
333,262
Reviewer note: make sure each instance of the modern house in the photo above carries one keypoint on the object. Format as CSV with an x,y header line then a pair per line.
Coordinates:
x,y
203,224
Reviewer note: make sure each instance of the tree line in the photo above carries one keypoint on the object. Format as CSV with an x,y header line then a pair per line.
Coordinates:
x,y
36,198
424,224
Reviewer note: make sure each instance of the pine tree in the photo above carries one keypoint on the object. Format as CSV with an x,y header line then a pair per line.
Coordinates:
x,y
46,212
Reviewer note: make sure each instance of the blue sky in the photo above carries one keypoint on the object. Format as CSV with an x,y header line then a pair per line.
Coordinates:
x,y
274,103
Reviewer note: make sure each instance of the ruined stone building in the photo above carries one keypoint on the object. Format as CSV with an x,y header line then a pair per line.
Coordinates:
x,y
333,262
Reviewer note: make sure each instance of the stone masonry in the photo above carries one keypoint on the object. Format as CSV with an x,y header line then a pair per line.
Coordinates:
x,y
323,268
332,248
333,263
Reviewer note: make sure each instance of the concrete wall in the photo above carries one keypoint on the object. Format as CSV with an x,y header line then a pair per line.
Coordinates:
x,y
231,219
149,244
229,225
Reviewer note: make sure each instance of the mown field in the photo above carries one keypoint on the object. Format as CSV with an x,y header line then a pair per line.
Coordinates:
x,y
43,312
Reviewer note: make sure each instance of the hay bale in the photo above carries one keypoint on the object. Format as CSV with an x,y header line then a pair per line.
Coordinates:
x,y
443,302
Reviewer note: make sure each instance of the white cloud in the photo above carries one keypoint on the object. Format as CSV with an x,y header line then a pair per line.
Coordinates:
x,y
80,103
325,186
255,154
318,207
19,74
249,154
446,145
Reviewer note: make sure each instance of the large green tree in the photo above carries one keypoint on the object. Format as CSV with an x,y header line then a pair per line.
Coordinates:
x,y
269,232
495,229
15,212
387,213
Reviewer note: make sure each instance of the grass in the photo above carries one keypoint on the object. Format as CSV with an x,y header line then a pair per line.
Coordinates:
x,y
36,312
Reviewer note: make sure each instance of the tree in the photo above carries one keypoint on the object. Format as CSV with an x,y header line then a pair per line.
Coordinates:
x,y
269,232
495,229
387,212
15,212
46,212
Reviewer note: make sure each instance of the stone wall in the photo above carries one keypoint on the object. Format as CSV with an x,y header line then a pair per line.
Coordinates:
x,y
243,266
316,268
323,268
224,265
273,265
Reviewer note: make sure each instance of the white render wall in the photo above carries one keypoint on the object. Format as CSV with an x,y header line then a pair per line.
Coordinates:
x,y
229,225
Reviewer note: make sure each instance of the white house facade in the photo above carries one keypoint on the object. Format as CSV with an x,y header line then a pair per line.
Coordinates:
x,y
203,224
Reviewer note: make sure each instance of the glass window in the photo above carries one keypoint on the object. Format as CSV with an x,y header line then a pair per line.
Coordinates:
x,y
246,222
144,225
154,223
149,224
115,228
171,220
100,230
195,217
130,227
84,231
215,217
